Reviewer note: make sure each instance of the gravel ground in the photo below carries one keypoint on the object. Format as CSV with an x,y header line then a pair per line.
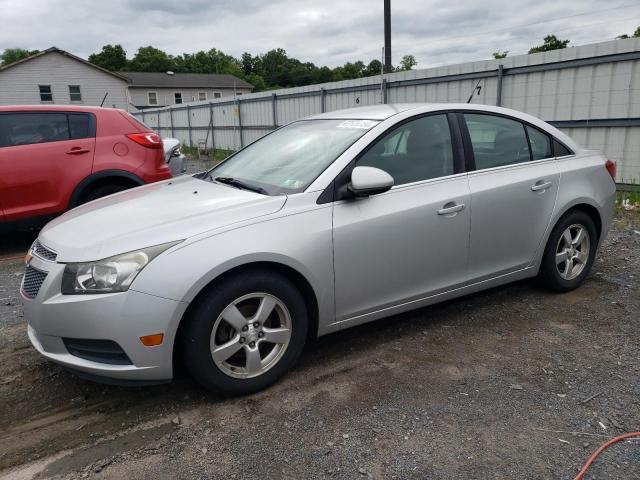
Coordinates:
x,y
494,385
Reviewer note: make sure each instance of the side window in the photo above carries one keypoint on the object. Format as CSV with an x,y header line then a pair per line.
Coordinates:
x,y
45,93
80,126
177,97
217,94
152,97
74,93
29,128
560,150
202,96
417,150
540,143
496,141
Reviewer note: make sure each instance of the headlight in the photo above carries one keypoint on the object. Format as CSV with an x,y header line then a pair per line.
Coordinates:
x,y
113,274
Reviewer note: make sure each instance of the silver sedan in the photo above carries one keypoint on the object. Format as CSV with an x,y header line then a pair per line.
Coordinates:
x,y
332,221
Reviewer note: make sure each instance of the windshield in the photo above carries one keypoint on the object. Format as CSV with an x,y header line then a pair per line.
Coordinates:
x,y
291,158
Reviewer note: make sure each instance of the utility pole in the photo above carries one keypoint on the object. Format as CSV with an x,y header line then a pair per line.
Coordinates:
x,y
387,36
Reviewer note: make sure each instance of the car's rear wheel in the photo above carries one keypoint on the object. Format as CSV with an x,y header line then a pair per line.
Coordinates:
x,y
245,333
570,252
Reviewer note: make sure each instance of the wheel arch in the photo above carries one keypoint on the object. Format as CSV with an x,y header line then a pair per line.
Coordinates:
x,y
584,205
289,272
101,178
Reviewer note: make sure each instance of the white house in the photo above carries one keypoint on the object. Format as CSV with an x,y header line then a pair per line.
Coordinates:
x,y
151,90
54,76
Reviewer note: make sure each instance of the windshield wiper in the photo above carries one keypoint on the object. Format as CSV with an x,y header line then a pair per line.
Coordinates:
x,y
239,184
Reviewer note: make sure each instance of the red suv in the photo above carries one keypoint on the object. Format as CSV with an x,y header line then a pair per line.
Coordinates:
x,y
53,158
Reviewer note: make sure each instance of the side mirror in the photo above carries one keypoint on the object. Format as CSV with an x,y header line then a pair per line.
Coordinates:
x,y
367,181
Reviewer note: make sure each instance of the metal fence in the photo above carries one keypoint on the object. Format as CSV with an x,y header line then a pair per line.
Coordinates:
x,y
591,92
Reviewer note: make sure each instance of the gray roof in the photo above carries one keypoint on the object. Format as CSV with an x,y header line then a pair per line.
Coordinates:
x,y
66,54
186,80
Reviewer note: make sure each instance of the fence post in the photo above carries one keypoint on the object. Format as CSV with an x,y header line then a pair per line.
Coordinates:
x,y
499,90
213,142
189,125
323,93
143,117
384,90
239,121
171,119
274,112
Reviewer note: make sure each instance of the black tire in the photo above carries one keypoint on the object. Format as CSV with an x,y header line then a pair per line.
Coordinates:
x,y
102,191
197,331
549,275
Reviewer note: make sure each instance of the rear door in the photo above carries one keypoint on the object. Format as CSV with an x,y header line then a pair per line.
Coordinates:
x,y
409,242
43,157
513,192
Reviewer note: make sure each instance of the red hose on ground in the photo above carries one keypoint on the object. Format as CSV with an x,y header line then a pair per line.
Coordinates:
x,y
602,449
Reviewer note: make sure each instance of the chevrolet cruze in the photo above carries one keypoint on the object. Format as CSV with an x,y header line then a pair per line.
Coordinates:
x,y
329,222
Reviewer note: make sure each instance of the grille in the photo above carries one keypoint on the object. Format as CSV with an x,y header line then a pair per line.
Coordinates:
x,y
101,351
43,252
32,281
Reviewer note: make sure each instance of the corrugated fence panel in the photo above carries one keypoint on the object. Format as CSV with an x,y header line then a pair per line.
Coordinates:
x,y
593,91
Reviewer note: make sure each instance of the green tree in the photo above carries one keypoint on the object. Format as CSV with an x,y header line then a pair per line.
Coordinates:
x,y
112,57
407,62
374,68
551,42
499,55
150,59
11,55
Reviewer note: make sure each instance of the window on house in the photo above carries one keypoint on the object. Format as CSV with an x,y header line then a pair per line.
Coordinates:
x,y
74,93
45,93
153,98
177,97
216,95
202,96
238,93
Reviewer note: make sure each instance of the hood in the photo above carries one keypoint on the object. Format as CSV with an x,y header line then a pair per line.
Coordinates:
x,y
151,215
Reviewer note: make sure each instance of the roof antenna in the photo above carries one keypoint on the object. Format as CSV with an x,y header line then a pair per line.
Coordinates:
x,y
107,93
477,88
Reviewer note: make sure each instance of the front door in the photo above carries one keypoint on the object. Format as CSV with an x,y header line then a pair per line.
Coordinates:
x,y
411,241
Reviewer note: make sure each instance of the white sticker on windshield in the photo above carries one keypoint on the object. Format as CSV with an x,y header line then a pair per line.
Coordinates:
x,y
363,124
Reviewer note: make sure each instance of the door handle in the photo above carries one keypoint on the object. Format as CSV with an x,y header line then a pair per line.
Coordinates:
x,y
450,208
541,185
77,151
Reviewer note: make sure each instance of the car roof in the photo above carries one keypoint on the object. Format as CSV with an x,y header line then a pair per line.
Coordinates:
x,y
384,111
53,108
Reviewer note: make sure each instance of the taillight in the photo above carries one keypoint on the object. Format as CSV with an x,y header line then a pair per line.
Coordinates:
x,y
146,139
611,168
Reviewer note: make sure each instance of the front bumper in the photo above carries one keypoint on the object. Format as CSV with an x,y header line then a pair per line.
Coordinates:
x,y
120,317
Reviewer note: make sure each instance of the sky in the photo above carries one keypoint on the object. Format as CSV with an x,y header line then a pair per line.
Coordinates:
x,y
326,32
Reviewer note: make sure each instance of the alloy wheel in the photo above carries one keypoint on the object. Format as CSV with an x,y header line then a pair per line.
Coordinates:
x,y
572,252
250,335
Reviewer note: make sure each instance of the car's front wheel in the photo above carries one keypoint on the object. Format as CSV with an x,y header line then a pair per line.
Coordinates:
x,y
570,252
245,332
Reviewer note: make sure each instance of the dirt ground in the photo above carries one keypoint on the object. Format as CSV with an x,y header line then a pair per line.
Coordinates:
x,y
495,385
